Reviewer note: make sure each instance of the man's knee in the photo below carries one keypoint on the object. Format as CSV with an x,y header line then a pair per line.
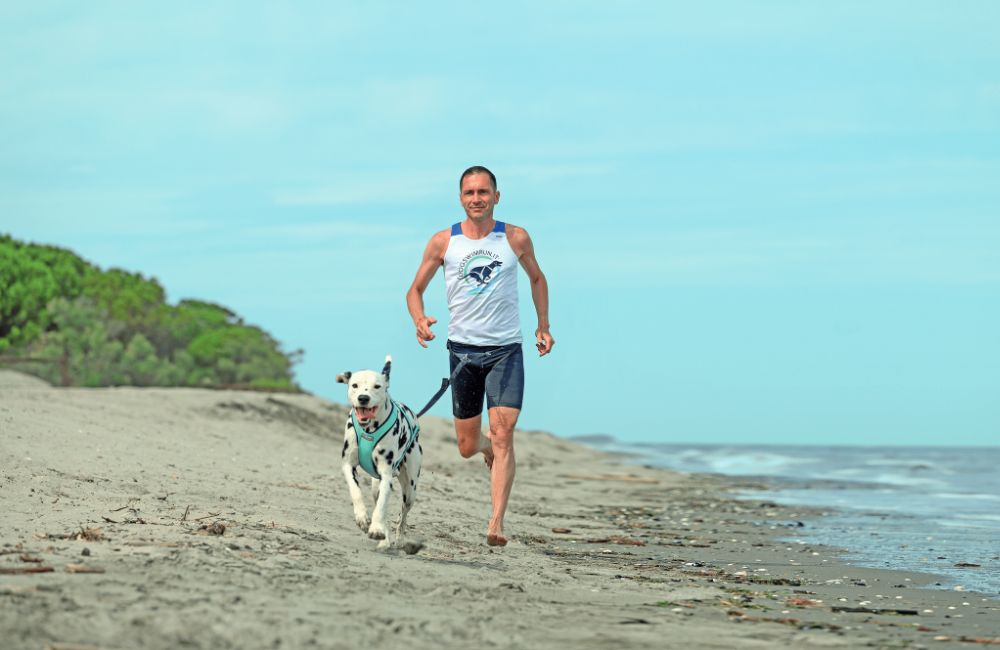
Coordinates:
x,y
468,447
469,437
502,423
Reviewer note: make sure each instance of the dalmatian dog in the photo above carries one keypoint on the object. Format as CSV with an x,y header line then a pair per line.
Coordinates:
x,y
380,438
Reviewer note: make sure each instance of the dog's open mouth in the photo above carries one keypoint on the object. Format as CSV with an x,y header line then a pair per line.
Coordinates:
x,y
365,413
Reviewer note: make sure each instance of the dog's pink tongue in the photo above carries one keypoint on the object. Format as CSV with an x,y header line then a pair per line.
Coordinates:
x,y
366,412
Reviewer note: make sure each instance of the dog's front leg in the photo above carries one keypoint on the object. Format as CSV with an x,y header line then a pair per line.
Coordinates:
x,y
350,467
378,529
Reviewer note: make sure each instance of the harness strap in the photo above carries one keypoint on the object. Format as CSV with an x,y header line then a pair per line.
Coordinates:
x,y
367,441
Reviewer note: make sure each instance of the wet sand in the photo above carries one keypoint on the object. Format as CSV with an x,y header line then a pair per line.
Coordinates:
x,y
170,518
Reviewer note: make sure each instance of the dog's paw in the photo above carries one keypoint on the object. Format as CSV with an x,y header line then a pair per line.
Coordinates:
x,y
377,532
385,544
363,522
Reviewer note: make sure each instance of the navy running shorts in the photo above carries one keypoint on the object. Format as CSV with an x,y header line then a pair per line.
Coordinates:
x,y
496,371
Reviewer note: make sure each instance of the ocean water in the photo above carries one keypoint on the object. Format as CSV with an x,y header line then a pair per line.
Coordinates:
x,y
923,509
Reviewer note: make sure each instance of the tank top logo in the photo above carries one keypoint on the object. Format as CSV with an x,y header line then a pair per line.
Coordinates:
x,y
479,270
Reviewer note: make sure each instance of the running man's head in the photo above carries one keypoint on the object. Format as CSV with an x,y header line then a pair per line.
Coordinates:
x,y
478,169
478,193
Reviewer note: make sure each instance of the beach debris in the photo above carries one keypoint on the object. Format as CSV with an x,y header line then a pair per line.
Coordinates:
x,y
89,534
616,539
25,569
84,534
29,558
412,546
766,580
562,531
967,565
980,640
802,602
127,506
82,568
874,610
214,528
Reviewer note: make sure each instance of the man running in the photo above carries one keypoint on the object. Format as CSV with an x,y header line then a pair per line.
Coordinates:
x,y
484,331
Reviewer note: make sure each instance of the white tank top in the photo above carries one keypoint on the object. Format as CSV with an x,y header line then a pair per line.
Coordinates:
x,y
480,276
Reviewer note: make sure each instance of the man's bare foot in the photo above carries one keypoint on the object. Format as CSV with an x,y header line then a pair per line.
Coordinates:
x,y
488,457
496,540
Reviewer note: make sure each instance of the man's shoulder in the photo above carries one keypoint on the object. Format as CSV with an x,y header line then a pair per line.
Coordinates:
x,y
439,240
516,233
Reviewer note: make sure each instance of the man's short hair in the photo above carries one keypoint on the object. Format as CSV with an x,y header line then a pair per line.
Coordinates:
x,y
478,169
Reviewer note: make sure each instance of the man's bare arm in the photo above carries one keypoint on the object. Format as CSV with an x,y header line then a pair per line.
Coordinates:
x,y
432,260
525,251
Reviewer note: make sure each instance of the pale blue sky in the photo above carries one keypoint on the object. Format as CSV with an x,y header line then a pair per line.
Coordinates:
x,y
761,221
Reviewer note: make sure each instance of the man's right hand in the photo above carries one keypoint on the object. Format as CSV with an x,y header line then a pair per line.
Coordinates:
x,y
424,332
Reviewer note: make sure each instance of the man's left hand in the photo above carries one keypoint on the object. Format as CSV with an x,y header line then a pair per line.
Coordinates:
x,y
544,341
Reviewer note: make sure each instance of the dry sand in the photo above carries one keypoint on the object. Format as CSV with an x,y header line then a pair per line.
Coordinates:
x,y
113,495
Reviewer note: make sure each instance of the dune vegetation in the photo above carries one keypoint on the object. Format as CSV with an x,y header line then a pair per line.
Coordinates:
x,y
68,321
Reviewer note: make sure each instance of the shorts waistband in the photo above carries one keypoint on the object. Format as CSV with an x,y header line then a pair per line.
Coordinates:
x,y
466,348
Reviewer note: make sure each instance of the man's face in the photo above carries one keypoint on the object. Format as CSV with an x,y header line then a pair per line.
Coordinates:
x,y
478,197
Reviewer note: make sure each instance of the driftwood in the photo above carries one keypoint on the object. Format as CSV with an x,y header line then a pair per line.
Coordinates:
x,y
82,568
873,610
616,539
25,569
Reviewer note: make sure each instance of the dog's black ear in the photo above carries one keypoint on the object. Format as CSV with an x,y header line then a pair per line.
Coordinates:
x,y
343,377
387,368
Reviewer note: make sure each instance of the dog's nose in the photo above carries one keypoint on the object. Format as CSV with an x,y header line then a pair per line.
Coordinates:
x,y
363,399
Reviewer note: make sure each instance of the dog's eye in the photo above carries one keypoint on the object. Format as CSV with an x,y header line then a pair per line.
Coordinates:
x,y
354,385
377,386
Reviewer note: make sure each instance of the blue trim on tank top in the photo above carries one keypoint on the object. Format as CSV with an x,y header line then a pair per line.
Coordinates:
x,y
456,228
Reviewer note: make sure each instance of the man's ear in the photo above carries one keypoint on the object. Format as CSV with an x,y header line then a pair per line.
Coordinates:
x,y
343,377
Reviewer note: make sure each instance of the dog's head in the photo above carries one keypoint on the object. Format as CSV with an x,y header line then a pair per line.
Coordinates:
x,y
367,390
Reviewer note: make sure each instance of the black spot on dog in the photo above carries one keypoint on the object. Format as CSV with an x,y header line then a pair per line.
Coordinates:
x,y
381,452
388,457
402,440
350,423
404,498
354,475
343,452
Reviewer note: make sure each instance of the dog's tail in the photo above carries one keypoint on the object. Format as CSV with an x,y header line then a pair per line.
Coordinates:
x,y
388,366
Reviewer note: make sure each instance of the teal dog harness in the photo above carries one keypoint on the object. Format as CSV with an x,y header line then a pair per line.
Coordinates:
x,y
367,441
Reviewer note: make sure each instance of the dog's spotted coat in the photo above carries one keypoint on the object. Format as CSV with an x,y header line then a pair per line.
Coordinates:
x,y
368,392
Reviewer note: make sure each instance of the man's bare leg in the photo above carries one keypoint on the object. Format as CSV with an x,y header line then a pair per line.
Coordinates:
x,y
471,440
503,419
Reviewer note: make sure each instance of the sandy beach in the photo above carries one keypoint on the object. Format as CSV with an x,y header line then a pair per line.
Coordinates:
x,y
183,518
